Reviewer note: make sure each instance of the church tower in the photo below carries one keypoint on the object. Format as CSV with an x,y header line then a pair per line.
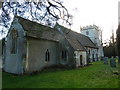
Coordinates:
x,y
95,34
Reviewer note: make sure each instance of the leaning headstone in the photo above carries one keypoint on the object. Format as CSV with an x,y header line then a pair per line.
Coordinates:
x,y
105,60
112,62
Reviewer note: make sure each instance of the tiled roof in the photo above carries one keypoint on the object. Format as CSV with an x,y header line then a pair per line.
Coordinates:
x,y
36,30
75,43
83,40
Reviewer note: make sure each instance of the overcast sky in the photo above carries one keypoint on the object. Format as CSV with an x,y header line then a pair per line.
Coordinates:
x,y
103,13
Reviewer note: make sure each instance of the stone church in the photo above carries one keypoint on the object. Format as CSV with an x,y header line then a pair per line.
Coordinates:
x,y
94,33
30,47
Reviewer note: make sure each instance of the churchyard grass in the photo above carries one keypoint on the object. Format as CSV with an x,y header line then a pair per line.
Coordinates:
x,y
97,75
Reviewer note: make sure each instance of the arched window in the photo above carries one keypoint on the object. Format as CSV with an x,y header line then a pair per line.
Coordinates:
x,y
64,55
47,56
14,35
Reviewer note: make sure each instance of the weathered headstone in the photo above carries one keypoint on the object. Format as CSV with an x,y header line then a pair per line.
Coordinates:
x,y
112,62
105,60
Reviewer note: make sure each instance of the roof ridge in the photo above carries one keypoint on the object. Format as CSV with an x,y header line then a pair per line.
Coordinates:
x,y
19,17
36,30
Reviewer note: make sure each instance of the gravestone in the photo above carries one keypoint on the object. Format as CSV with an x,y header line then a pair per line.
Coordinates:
x,y
105,60
112,62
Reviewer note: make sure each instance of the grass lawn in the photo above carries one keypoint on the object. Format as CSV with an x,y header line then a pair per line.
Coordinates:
x,y
97,75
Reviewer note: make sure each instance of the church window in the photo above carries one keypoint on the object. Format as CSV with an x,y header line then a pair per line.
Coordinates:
x,y
47,56
64,55
14,35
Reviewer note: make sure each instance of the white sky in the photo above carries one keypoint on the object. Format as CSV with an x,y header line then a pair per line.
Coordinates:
x,y
103,13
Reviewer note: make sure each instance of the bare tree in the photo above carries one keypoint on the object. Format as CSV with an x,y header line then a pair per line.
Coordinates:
x,y
46,12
